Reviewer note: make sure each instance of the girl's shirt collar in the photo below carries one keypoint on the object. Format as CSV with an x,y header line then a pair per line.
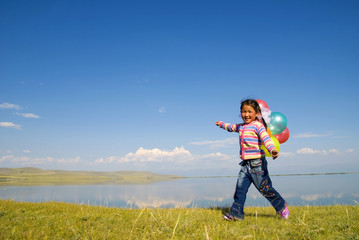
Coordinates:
x,y
245,124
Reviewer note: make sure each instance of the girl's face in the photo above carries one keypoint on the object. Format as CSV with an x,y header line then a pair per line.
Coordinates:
x,y
248,114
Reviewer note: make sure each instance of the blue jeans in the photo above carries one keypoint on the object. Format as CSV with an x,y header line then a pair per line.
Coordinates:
x,y
255,171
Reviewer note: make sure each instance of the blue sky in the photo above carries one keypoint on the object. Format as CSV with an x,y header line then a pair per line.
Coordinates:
x,y
139,85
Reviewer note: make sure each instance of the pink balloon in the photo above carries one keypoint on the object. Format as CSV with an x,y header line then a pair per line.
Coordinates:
x,y
283,136
262,104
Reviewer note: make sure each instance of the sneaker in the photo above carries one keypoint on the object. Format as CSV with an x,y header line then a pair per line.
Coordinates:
x,y
230,217
285,213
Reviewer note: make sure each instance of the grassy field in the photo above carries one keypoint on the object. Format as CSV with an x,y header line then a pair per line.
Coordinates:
x,y
54,220
35,176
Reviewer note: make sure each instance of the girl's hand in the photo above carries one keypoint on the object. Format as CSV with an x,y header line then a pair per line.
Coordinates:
x,y
217,123
275,154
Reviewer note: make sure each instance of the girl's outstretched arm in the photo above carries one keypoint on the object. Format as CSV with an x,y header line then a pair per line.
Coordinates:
x,y
227,126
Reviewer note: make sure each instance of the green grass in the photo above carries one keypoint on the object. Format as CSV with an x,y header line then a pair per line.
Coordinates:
x,y
36,177
54,220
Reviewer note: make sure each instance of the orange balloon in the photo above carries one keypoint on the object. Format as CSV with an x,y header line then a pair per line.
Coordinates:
x,y
269,132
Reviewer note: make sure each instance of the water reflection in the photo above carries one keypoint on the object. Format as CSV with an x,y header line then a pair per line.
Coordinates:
x,y
195,192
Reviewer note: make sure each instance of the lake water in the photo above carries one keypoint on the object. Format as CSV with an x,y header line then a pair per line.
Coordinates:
x,y
195,192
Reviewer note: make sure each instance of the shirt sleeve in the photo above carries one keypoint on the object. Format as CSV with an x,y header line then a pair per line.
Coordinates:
x,y
229,127
265,139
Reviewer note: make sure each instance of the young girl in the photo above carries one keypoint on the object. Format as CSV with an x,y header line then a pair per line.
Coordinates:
x,y
252,133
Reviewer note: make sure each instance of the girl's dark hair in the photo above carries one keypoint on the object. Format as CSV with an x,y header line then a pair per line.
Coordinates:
x,y
254,104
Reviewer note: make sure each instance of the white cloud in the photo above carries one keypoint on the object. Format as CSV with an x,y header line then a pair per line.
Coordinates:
x,y
27,151
350,150
179,155
216,155
107,160
308,151
5,151
6,157
69,160
156,155
98,161
112,159
10,125
28,115
313,151
9,106
311,135
286,154
29,160
162,110
24,160
217,143
333,150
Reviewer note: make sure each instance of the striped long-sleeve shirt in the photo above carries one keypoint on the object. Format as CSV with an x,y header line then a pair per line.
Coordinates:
x,y
251,137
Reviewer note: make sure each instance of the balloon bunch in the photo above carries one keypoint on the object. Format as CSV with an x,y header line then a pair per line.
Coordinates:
x,y
277,126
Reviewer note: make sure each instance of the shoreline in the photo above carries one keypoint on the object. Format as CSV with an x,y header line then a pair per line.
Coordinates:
x,y
39,177
287,175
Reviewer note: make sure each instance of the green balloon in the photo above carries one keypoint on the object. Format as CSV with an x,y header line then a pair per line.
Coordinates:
x,y
278,122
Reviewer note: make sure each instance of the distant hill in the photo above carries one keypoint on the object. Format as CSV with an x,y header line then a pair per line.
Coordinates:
x,y
30,176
